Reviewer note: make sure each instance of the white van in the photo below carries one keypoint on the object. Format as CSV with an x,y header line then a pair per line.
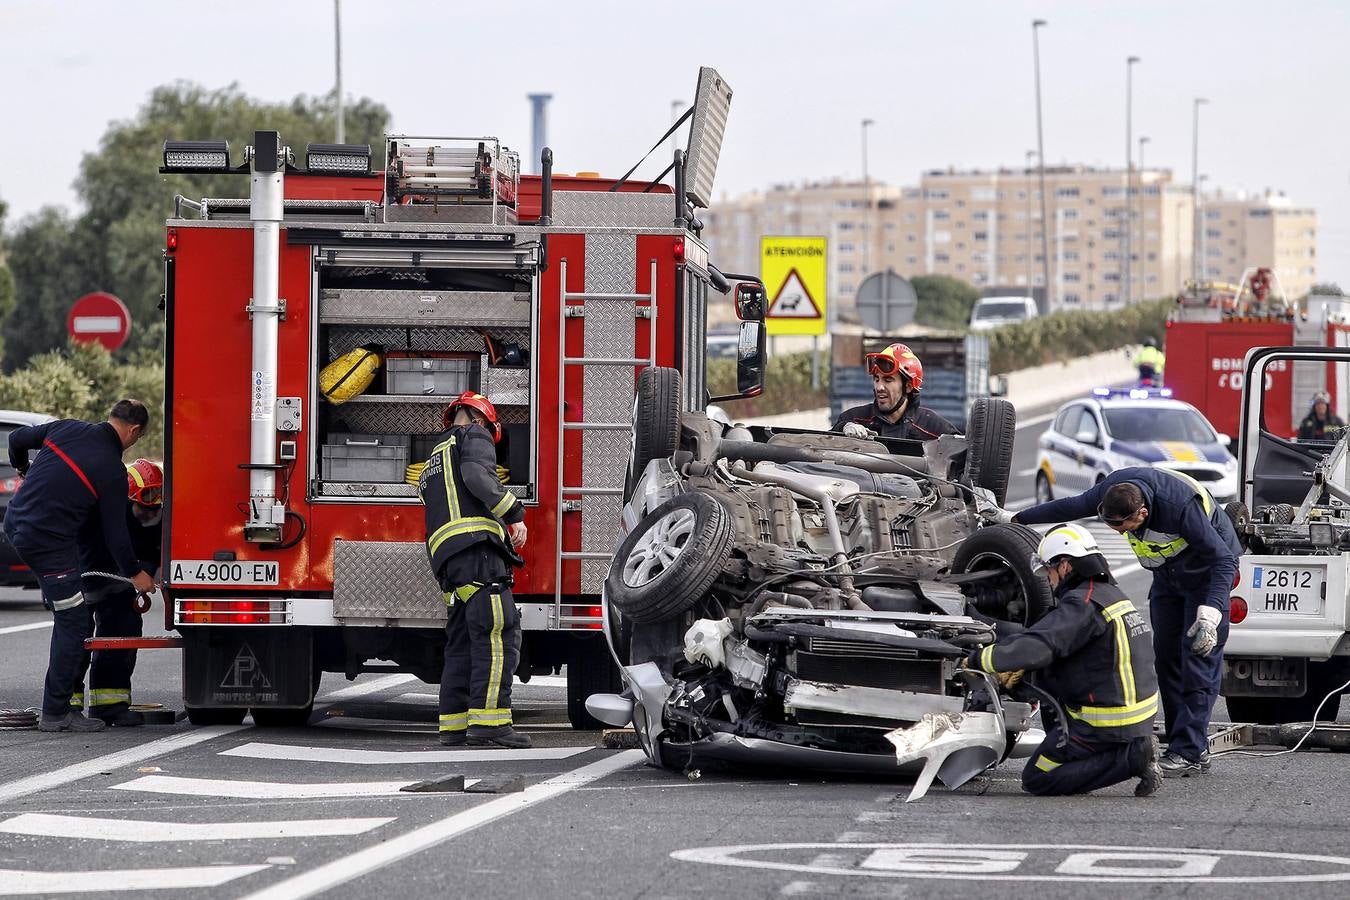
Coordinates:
x,y
991,312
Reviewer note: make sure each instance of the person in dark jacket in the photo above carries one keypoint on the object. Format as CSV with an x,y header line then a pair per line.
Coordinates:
x,y
474,527
897,378
112,604
1092,653
1321,424
77,482
1180,534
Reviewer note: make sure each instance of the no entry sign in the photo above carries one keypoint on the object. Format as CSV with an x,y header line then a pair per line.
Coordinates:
x,y
99,317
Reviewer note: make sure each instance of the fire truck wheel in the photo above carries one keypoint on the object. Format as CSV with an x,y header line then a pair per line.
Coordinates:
x,y
990,432
656,420
273,717
670,559
1323,677
216,715
1015,593
590,670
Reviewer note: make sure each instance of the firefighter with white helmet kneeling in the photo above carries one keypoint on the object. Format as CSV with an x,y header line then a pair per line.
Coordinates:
x,y
474,526
1094,654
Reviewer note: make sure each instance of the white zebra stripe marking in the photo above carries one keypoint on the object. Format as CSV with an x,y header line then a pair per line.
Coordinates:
x,y
31,626
146,832
18,882
268,790
257,750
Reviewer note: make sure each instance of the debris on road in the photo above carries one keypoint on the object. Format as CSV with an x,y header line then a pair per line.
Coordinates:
x,y
444,784
498,784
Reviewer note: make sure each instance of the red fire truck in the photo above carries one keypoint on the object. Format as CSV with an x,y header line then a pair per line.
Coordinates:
x,y
294,532
1214,325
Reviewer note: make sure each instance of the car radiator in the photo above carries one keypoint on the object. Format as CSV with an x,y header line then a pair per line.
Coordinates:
x,y
865,664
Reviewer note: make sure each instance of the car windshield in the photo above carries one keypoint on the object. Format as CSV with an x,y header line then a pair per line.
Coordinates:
x,y
1158,423
1006,309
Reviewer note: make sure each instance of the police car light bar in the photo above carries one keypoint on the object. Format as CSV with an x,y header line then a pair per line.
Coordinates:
x,y
338,159
196,156
1133,393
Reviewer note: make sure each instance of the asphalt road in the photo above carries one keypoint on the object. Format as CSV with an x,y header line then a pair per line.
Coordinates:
x,y
249,812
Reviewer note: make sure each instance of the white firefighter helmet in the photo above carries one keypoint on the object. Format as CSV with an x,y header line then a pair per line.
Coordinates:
x,y
1064,540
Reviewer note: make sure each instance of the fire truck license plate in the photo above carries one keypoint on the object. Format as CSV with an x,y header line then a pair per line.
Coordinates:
x,y
207,571
1288,590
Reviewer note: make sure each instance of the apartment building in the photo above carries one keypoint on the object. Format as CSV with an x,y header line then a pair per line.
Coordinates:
x,y
1262,230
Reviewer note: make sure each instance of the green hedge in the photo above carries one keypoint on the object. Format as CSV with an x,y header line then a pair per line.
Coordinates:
x,y
787,385
1064,336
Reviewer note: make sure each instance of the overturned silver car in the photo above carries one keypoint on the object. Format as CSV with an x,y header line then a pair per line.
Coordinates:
x,y
806,599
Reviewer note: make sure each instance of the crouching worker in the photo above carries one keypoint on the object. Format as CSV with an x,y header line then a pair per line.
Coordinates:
x,y
1094,654
113,603
469,515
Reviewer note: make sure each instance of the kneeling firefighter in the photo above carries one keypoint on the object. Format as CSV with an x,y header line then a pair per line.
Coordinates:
x,y
469,515
1094,654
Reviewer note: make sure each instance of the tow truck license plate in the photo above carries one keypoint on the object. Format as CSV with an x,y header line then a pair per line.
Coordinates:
x,y
207,571
1290,590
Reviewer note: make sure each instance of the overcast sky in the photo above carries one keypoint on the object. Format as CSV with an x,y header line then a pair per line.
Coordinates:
x,y
948,82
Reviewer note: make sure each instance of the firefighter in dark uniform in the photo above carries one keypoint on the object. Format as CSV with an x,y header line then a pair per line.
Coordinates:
x,y
1092,653
75,487
112,604
1321,424
1181,535
897,378
474,526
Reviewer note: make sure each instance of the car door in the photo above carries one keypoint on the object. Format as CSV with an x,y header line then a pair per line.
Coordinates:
x,y
1091,439
1063,452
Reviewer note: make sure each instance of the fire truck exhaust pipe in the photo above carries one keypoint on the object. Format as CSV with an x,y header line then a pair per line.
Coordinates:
x,y
266,517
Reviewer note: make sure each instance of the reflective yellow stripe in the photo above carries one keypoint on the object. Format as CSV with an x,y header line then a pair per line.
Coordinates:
x,y
504,505
454,721
448,476
1113,716
106,696
462,526
1046,764
1152,553
77,699
136,476
494,685
488,718
1067,532
464,592
987,658
1118,609
1116,613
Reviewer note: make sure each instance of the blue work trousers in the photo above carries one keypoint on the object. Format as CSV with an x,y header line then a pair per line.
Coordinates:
x,y
1188,682
58,573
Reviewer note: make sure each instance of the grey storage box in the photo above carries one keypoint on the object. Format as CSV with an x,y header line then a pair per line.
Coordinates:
x,y
365,458
431,375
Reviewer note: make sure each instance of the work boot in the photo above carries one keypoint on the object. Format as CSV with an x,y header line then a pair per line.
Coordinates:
x,y
1204,762
71,721
1145,752
452,738
119,714
501,736
1176,766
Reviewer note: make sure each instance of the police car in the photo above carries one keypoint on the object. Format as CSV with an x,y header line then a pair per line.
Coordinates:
x,y
1118,428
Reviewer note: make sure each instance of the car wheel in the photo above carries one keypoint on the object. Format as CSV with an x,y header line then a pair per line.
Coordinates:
x,y
670,559
1043,492
1323,677
1016,594
990,432
656,420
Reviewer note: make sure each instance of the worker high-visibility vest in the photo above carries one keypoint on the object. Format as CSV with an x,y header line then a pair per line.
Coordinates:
x,y
1154,548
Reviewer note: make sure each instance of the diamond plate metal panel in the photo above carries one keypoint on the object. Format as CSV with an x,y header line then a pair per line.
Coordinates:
x,y
391,418
712,103
383,579
460,340
460,308
451,213
381,491
506,386
601,209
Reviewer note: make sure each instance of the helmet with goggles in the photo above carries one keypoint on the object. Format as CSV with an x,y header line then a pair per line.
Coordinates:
x,y
897,358
145,483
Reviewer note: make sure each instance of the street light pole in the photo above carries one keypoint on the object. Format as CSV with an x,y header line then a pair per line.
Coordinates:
x,y
1036,24
1031,254
1143,242
1126,290
1204,261
1196,224
867,205
337,59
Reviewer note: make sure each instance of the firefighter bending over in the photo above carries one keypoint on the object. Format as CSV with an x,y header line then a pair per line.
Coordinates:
x,y
1095,655
897,378
469,516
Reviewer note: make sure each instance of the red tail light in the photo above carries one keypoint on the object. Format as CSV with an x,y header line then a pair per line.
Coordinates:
x,y
678,249
231,612
1237,609
171,241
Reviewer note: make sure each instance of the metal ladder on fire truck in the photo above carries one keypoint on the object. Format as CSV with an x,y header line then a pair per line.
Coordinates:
x,y
571,497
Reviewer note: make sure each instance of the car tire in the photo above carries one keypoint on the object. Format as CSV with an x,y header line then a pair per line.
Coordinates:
x,y
590,670
670,559
656,420
216,715
1021,595
990,432
1044,493
1323,677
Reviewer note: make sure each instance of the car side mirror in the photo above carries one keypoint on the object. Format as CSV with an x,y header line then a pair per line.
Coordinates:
x,y
752,343
1225,440
750,301
1087,437
998,385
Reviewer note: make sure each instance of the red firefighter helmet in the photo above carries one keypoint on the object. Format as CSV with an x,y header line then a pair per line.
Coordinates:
x,y
145,482
898,357
476,402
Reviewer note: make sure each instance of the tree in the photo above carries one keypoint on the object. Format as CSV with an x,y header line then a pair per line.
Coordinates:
x,y
6,277
1327,289
115,244
943,302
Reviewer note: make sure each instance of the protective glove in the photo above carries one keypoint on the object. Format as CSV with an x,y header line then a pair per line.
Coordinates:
x,y
988,509
1009,680
1205,630
856,430
503,473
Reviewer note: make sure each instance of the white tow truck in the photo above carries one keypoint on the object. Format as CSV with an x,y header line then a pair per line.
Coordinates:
x,y
1289,642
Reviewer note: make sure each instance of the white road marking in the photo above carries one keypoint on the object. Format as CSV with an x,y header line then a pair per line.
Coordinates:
x,y
146,832
66,774
31,626
17,882
357,864
395,757
1037,420
268,790
369,687
1027,473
